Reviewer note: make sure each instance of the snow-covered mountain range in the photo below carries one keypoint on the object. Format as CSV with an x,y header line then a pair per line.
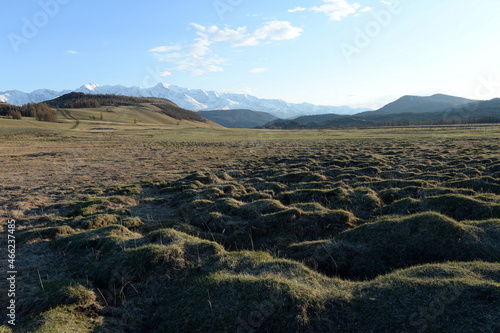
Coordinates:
x,y
191,99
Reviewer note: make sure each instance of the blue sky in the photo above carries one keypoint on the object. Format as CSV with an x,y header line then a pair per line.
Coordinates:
x,y
334,52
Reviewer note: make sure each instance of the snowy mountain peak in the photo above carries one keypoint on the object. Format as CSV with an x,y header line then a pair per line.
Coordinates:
x,y
163,85
191,99
91,86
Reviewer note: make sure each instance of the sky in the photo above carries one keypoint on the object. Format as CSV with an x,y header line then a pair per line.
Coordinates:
x,y
363,53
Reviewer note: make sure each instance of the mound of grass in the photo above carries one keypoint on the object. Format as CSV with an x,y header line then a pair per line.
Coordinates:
x,y
384,184
92,206
227,206
45,233
456,206
289,225
406,206
190,207
138,262
64,319
299,177
107,240
495,168
261,207
310,207
362,201
483,184
100,220
63,292
254,196
249,291
325,223
130,190
392,243
369,171
64,306
204,178
271,224
192,182
84,208
388,196
304,195
275,187
451,297
132,222
461,207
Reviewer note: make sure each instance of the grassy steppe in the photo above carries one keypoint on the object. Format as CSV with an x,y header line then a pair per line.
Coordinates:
x,y
135,227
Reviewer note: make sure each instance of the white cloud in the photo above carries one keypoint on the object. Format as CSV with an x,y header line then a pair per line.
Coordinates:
x,y
259,70
166,48
72,52
387,3
165,73
198,57
297,9
273,30
367,9
337,9
278,30
195,58
215,34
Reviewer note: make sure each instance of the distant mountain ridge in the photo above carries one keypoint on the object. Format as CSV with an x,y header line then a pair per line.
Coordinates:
x,y
238,118
412,111
419,104
190,99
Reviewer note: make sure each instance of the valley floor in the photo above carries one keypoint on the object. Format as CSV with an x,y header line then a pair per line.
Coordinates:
x,y
166,229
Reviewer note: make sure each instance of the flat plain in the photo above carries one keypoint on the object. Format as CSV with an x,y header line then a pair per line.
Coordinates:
x,y
149,227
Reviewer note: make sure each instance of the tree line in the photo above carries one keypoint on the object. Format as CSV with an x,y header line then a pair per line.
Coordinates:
x,y
76,100
39,111
442,121
179,113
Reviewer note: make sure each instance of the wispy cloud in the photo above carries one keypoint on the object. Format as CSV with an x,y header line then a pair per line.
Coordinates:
x,y
259,70
165,73
335,9
72,52
166,48
198,57
273,30
297,9
367,9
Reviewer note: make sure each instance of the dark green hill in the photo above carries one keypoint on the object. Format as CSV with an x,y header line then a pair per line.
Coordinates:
x,y
418,104
238,118
299,123
81,101
319,118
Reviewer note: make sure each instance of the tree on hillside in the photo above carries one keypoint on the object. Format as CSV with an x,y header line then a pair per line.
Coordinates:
x,y
45,113
39,111
11,111
29,110
15,114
